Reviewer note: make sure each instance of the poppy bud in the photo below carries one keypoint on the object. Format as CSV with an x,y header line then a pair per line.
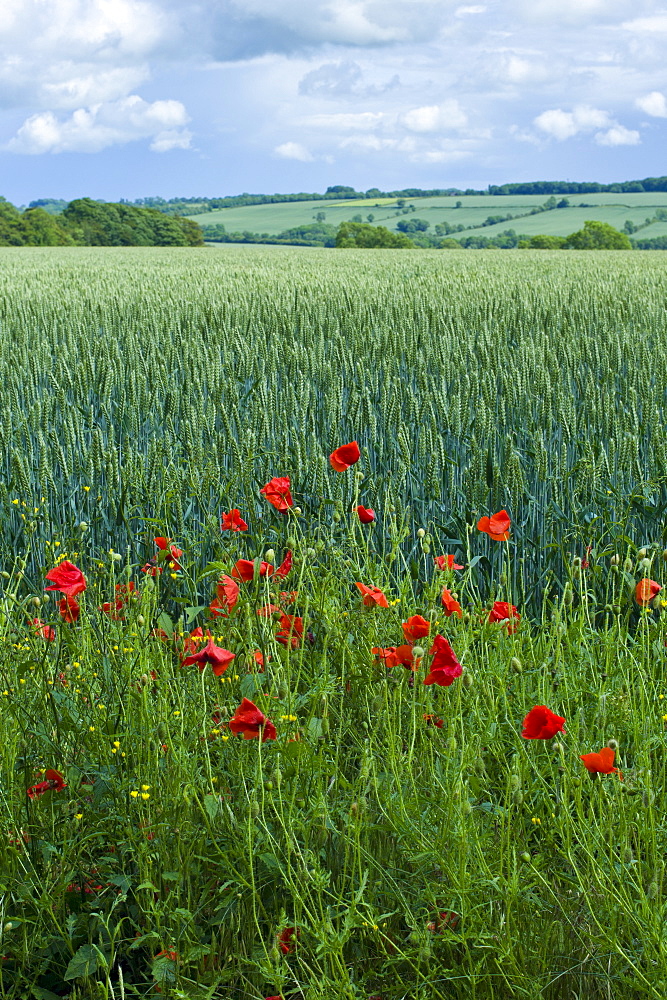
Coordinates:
x,y
270,555
254,809
4,574
525,856
613,745
9,926
515,782
268,785
420,533
417,652
517,797
466,617
628,856
644,564
451,743
278,776
467,680
83,527
141,620
627,565
615,560
648,799
642,553
516,665
426,547
664,554
652,890
297,510
568,597
145,679
36,602
466,808
576,561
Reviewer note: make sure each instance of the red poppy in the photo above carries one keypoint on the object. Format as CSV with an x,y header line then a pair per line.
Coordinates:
x,y
386,654
448,919
277,492
67,578
227,594
445,667
286,939
497,526
433,720
218,657
245,570
69,609
372,596
53,781
446,562
415,628
501,612
192,643
173,552
232,521
451,605
251,722
646,590
171,955
45,631
345,456
267,610
542,724
124,591
365,514
285,566
288,596
600,763
291,631
258,657
111,608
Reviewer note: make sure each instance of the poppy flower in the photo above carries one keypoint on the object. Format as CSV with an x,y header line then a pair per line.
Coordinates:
x,y
171,955
192,643
285,566
69,609
445,667
267,610
45,631
345,456
288,596
386,654
451,605
415,628
53,781
232,521
245,570
251,722
542,724
173,552
600,763
286,939
67,578
446,562
277,492
646,590
372,596
365,514
218,657
111,609
501,612
433,720
291,631
497,526
258,657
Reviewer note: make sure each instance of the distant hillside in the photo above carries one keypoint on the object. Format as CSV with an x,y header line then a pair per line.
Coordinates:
x,y
85,222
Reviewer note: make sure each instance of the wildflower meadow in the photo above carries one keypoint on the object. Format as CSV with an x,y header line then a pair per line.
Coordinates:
x,y
332,637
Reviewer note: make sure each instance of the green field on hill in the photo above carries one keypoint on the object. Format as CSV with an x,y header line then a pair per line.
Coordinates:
x,y
332,624
614,209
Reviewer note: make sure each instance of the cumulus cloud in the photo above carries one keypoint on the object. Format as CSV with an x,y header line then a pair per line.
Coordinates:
x,y
564,124
654,104
654,24
293,151
618,135
434,117
89,130
342,79
473,9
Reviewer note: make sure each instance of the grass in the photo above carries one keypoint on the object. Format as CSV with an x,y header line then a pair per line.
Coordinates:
x,y
396,839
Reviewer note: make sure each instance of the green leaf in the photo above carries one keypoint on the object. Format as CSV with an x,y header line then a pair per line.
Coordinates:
x,y
84,962
165,623
212,805
39,993
191,613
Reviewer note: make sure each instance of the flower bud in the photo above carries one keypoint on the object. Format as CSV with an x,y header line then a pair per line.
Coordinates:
x,y
270,555
4,574
141,620
517,797
525,856
36,602
515,782
115,556
311,553
420,533
615,560
83,526
642,553
644,564
254,809
516,665
627,565
467,680
417,652
297,510
652,891
613,745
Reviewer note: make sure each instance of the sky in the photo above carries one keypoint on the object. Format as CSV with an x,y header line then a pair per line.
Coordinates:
x,y
129,98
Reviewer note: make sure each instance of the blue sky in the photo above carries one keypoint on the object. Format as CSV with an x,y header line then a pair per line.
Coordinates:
x,y
125,98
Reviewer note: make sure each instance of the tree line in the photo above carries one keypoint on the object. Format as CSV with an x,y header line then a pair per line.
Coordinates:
x,y
85,222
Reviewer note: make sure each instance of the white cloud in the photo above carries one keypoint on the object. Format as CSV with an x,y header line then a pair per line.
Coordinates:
x,y
656,24
89,130
618,135
565,124
434,117
654,104
293,151
473,9
352,120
